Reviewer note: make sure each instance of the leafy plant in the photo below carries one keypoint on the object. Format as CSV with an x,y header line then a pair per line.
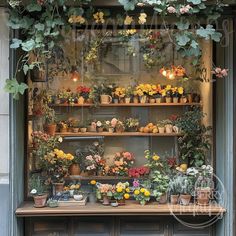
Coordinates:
x,y
37,186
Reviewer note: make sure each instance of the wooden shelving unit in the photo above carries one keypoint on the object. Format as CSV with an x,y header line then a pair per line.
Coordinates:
x,y
124,134
118,178
129,105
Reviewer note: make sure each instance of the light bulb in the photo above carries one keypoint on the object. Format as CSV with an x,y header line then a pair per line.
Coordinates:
x,y
164,73
171,76
75,76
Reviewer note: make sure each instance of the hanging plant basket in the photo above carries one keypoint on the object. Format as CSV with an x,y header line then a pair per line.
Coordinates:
x,y
39,74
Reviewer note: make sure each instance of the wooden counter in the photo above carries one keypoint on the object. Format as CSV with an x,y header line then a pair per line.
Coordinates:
x,y
131,208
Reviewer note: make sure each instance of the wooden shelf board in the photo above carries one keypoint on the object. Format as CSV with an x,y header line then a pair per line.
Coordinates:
x,y
78,177
124,134
131,208
128,105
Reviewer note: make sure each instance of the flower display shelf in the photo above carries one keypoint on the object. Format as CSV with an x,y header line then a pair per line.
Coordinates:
x,y
131,208
128,105
124,134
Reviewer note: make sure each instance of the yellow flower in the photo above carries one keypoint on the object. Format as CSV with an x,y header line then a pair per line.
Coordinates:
x,y
142,18
142,190
126,196
99,17
146,193
180,90
136,192
168,87
127,190
119,190
128,20
155,157
93,182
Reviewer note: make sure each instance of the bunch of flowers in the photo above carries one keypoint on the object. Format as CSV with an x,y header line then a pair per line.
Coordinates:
x,y
153,160
220,73
131,123
142,195
64,95
72,187
123,161
56,163
177,91
94,163
83,91
137,172
104,190
120,92
145,89
122,191
167,91
99,17
76,19
173,71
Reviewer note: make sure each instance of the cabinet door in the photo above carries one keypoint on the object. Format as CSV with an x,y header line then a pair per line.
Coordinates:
x,y
148,226
91,226
47,227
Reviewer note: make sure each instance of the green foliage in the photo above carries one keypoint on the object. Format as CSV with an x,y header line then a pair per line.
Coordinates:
x,y
13,87
209,33
36,185
129,5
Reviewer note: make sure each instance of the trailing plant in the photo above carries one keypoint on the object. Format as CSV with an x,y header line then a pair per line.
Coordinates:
x,y
195,143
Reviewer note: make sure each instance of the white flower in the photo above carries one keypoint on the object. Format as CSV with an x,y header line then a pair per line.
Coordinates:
x,y
203,167
89,158
171,9
142,18
99,124
96,144
108,122
33,191
60,139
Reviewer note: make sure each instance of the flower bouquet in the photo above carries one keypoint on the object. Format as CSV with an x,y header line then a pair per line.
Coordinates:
x,y
104,192
121,193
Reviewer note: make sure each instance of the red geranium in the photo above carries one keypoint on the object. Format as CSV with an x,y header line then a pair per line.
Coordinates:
x,y
137,172
83,91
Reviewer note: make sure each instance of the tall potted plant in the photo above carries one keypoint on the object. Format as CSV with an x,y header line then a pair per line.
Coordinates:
x,y
38,191
50,120
174,190
186,190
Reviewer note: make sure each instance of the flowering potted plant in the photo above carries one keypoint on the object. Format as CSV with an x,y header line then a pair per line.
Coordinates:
x,y
158,94
83,93
92,193
56,163
168,93
168,125
131,124
108,126
94,164
120,94
119,128
121,193
142,90
152,94
63,126
104,192
177,92
153,160
128,94
123,161
100,126
161,127
137,172
64,95
92,127
38,191
142,195
204,185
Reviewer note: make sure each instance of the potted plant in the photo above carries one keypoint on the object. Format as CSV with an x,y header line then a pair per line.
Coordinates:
x,y
75,125
204,185
174,190
131,124
168,94
104,193
108,126
83,94
100,126
121,193
119,128
161,127
120,94
168,126
38,191
186,190
92,193
50,120
92,127
56,164
83,127
74,168
128,94
142,195
64,95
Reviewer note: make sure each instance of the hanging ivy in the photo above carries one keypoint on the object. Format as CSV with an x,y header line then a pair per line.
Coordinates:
x,y
41,21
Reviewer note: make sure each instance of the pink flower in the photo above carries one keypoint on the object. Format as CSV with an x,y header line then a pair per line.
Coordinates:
x,y
185,9
171,9
114,122
220,73
224,72
136,183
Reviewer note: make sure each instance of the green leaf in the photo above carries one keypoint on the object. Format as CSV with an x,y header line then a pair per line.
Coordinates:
x,y
195,2
33,7
209,32
182,39
39,27
28,45
129,5
25,69
194,44
15,43
182,25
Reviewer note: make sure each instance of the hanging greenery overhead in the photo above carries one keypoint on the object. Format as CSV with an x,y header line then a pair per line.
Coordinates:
x,y
41,23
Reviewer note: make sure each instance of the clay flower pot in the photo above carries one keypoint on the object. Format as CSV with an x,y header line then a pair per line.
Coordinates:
x,y
143,99
83,130
40,201
163,198
159,100
185,199
135,99
152,100
175,99
81,100
127,100
168,99
100,130
190,97
169,129
106,200
50,129
203,196
174,199
161,130
75,130
111,130
58,187
75,169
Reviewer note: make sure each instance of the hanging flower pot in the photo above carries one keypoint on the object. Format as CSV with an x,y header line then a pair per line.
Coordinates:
x,y
39,74
75,169
40,200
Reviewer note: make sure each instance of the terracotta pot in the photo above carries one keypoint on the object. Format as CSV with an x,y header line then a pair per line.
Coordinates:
x,y
81,100
100,129
152,100
203,196
83,130
63,130
75,130
174,199
111,130
58,187
168,99
135,99
158,100
105,99
89,101
120,130
106,200
163,198
190,98
40,201
50,129
143,99
169,129
185,199
92,129
183,100
121,100
75,169
161,130
127,100
175,100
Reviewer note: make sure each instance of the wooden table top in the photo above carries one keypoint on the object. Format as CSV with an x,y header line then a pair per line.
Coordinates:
x,y
131,208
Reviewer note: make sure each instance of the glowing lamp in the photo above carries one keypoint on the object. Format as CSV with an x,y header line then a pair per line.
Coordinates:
x,y
75,76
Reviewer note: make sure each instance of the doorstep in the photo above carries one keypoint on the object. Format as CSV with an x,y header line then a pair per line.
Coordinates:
x,y
131,208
